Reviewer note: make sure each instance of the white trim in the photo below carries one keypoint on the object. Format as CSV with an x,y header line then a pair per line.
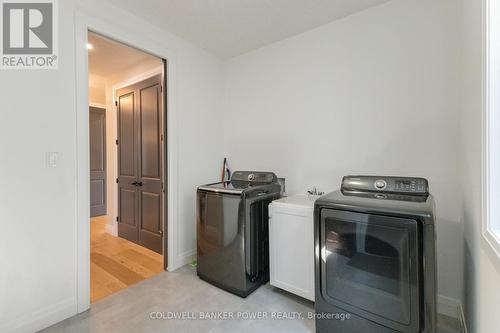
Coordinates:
x,y
461,319
184,259
448,306
135,79
82,236
97,105
452,307
490,126
112,228
40,319
84,23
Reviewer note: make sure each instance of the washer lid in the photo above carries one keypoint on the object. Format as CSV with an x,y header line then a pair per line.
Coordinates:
x,y
225,187
241,181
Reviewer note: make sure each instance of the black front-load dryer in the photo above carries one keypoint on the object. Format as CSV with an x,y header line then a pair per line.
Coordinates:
x,y
375,257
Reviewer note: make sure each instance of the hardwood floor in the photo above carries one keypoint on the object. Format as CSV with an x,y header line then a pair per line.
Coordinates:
x,y
116,263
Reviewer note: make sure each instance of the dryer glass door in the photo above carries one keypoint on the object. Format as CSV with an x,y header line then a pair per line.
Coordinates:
x,y
369,266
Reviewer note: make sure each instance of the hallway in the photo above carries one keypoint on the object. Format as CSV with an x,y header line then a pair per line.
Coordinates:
x,y
116,263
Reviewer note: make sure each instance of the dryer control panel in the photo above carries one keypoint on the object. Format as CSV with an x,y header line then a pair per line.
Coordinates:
x,y
387,184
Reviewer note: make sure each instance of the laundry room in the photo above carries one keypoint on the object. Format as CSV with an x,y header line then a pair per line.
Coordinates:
x,y
321,166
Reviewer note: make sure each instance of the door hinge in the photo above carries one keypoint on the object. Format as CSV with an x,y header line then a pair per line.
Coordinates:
x,y
117,219
116,103
161,88
117,180
161,137
116,141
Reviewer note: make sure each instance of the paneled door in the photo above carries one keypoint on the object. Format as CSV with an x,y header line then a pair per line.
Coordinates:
x,y
140,163
97,134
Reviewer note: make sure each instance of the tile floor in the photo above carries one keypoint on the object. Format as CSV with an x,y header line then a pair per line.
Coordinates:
x,y
129,310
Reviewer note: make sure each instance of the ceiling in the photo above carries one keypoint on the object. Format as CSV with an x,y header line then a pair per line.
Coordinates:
x,y
229,28
103,60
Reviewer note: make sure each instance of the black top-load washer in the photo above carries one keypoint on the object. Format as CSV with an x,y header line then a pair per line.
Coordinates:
x,y
375,266
232,231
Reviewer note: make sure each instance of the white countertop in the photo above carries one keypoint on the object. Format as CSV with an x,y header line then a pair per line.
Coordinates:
x,y
302,200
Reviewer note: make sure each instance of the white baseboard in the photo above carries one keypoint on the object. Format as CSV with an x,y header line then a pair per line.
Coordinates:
x,y
448,306
461,319
183,259
112,228
452,307
42,318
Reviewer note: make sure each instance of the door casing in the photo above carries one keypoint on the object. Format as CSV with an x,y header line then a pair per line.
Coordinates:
x,y
84,23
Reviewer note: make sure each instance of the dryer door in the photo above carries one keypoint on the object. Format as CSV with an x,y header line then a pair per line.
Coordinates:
x,y
369,267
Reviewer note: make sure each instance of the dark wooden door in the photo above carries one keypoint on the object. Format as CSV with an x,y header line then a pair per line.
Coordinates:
x,y
97,133
140,163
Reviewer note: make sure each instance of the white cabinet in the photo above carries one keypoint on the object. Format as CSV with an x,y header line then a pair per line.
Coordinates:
x,y
291,244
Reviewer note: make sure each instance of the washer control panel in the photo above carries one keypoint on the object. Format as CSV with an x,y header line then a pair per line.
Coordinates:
x,y
254,177
380,184
407,185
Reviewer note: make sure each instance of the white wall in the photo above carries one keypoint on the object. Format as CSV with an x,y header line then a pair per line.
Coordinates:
x,y
38,204
482,268
353,96
97,90
373,93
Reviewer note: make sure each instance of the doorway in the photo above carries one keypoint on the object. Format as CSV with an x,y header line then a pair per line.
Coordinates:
x,y
127,160
97,158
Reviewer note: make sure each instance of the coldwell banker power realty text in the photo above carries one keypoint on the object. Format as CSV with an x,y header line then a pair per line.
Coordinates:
x,y
29,34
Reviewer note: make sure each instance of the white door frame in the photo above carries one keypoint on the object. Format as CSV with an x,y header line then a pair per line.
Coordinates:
x,y
84,23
